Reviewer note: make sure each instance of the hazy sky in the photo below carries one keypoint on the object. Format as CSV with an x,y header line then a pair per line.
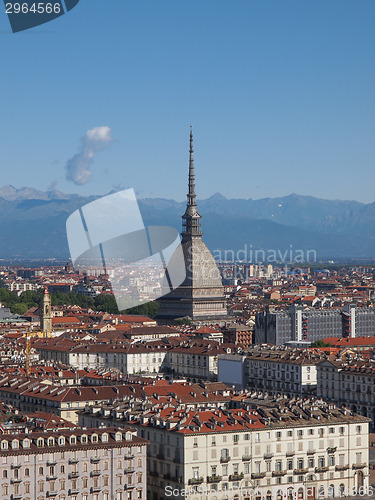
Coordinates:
x,y
281,95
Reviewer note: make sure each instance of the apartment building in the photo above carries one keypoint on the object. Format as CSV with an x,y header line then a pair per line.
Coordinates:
x,y
349,382
78,464
30,396
297,449
297,323
195,359
274,369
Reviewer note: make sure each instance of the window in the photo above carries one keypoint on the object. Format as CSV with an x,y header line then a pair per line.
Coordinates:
x,y
341,431
40,471
62,469
247,437
196,472
278,435
358,429
257,437
235,438
331,430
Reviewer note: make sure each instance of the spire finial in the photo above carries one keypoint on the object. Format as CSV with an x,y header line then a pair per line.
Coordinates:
x,y
191,195
191,218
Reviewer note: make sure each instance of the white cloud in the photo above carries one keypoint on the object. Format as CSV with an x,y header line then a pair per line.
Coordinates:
x,y
78,167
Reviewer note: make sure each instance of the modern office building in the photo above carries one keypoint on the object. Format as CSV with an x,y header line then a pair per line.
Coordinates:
x,y
297,323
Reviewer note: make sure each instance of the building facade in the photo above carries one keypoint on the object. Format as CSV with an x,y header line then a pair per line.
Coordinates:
x,y
297,323
82,464
348,382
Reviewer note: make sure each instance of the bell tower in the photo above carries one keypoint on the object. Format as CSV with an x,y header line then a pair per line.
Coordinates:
x,y
46,314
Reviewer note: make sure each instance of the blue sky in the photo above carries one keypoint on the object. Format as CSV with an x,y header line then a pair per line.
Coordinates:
x,y
280,95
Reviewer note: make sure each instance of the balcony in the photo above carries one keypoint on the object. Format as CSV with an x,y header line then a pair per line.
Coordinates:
x,y
310,452
299,472
224,460
196,480
160,456
258,475
94,460
15,480
359,466
73,461
95,473
290,453
52,477
278,473
15,466
177,460
236,477
267,456
73,475
321,470
246,458
16,496
73,491
214,479
51,494
129,456
51,463
95,489
129,470
129,486
342,467
331,449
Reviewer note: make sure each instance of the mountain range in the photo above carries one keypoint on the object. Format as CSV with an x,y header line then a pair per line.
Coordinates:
x,y
33,223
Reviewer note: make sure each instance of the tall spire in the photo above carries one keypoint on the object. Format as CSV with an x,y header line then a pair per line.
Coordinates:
x,y
191,196
191,220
